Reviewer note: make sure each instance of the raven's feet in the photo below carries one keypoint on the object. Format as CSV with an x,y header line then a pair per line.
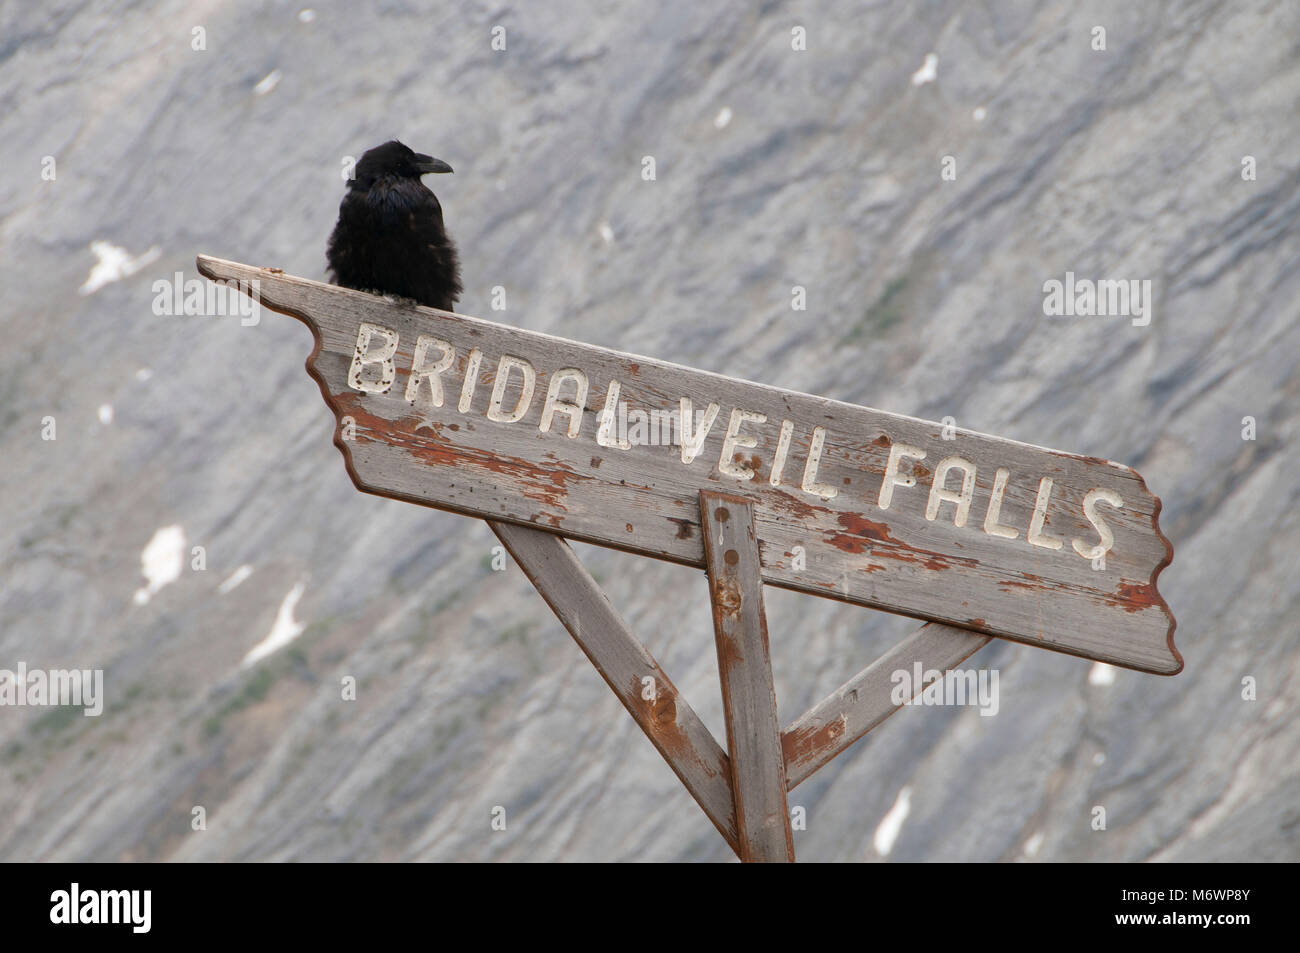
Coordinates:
x,y
391,298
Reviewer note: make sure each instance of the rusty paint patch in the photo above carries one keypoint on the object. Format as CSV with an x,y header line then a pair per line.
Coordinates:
x,y
595,463
664,711
803,745
1134,597
658,717
685,528
728,594
661,726
862,533
796,508
729,654
424,423
865,527
1026,581
752,462
548,485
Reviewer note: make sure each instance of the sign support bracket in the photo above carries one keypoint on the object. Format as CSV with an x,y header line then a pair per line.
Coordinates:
x,y
747,806
422,429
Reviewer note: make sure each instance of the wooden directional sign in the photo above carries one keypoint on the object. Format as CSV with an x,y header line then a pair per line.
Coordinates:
x,y
547,438
1004,538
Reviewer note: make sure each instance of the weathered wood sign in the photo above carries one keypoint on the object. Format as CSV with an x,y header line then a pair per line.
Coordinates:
x,y
1004,538
756,485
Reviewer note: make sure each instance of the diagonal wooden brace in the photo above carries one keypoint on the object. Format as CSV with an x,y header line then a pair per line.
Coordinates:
x,y
867,699
667,719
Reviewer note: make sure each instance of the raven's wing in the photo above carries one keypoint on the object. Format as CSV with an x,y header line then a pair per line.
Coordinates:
x,y
413,206
405,204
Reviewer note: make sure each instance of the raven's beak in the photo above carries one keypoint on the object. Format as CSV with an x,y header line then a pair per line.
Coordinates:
x,y
427,164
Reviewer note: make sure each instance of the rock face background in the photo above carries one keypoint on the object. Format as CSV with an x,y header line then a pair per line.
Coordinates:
x,y
775,167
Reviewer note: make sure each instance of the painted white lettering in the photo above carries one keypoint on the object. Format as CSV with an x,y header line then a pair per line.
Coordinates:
x,y
608,417
897,452
810,484
364,356
939,493
570,408
504,367
1105,536
991,524
693,434
1036,534
422,371
734,439
471,380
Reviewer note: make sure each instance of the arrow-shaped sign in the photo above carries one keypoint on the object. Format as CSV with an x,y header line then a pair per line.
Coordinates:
x,y
1008,539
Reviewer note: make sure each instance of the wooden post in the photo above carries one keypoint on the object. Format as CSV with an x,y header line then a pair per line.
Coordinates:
x,y
745,669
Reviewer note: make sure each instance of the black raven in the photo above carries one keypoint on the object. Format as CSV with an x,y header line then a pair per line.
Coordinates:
x,y
389,237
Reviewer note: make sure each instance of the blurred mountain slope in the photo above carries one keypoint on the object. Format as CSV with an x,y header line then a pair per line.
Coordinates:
x,y
775,168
